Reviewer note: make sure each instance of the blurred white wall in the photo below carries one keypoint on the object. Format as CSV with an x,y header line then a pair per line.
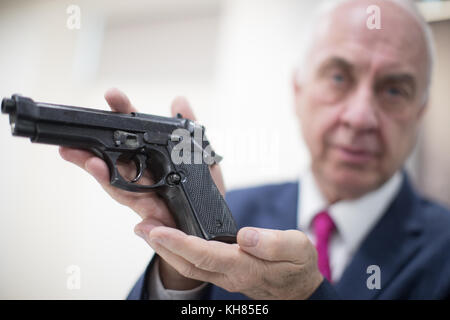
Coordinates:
x,y
232,59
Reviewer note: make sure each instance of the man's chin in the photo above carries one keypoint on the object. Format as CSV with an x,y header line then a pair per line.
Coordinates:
x,y
353,183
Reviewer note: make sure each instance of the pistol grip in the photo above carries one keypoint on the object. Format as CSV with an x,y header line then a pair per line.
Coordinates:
x,y
198,206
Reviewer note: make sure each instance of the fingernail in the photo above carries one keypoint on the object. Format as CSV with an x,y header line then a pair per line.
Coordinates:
x,y
250,238
140,233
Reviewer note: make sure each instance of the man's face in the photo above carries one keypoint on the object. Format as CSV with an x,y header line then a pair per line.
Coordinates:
x,y
361,97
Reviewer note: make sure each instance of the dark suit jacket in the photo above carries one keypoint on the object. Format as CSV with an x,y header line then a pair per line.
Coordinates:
x,y
410,244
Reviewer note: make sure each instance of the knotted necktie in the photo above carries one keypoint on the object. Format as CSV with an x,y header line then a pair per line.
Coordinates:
x,y
323,227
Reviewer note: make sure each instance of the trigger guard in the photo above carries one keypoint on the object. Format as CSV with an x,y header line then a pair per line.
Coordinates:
x,y
118,181
141,164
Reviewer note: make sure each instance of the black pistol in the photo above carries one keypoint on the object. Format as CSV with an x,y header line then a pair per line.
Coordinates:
x,y
175,152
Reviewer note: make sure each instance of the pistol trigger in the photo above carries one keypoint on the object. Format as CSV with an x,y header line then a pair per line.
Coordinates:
x,y
141,164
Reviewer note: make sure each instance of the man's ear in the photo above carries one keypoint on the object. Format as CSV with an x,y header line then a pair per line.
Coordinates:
x,y
423,108
296,82
297,89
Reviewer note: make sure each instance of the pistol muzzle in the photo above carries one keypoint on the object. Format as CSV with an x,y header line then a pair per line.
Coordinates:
x,y
8,105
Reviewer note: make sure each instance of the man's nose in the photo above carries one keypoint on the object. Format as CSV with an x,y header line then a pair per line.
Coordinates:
x,y
359,112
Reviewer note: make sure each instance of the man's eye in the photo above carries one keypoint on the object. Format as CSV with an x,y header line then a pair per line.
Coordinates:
x,y
338,78
393,91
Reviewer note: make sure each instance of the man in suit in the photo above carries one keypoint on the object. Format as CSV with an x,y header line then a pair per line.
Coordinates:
x,y
353,227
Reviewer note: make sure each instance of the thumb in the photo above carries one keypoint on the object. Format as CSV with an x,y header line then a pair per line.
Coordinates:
x,y
275,245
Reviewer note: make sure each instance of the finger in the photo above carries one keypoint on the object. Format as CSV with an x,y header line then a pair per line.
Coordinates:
x,y
143,228
181,105
86,160
184,267
98,169
118,101
76,156
146,205
274,245
211,256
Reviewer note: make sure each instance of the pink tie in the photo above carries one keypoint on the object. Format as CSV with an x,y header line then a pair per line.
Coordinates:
x,y
323,227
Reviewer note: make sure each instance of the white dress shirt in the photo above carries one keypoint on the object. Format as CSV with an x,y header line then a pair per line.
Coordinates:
x,y
354,219
157,291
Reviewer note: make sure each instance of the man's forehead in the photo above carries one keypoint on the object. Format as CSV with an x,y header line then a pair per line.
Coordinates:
x,y
344,33
349,22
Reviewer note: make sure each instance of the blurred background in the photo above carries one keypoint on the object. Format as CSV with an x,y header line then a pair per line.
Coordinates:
x,y
61,235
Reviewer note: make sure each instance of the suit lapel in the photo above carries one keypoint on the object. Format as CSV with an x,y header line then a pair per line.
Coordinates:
x,y
390,244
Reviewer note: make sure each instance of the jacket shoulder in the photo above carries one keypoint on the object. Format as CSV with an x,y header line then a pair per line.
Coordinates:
x,y
254,205
436,219
433,257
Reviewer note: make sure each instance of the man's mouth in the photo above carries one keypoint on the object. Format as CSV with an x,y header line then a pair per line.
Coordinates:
x,y
352,155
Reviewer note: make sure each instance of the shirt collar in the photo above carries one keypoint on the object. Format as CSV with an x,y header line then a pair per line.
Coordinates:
x,y
353,218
